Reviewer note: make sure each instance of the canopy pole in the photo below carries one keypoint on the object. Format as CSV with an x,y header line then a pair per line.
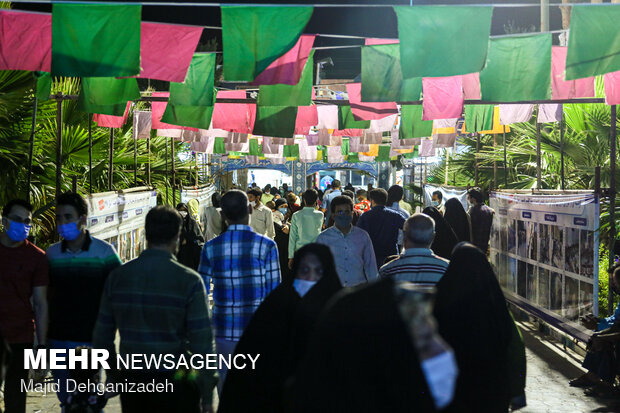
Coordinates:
x,y
58,145
31,150
505,162
562,150
494,162
148,160
174,185
90,154
447,168
166,169
612,203
476,158
538,155
111,160
135,161
196,168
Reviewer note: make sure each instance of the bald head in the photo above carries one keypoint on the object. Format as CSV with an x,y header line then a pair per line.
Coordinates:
x,y
419,231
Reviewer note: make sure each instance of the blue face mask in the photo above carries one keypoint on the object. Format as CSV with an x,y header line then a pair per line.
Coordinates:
x,y
18,231
441,372
283,210
343,221
303,286
69,231
434,203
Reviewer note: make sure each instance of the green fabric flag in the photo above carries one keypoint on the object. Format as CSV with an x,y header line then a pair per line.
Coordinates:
x,y
411,155
382,78
254,37
291,151
276,121
219,146
100,40
107,95
518,68
289,95
440,41
411,123
594,41
347,121
344,148
353,158
191,102
255,148
44,85
384,154
478,118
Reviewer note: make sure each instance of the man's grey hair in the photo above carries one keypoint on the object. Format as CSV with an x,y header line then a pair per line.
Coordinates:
x,y
419,229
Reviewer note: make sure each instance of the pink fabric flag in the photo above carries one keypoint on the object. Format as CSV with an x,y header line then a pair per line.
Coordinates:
x,y
166,50
562,89
383,125
313,140
335,140
109,121
307,153
372,41
509,114
157,111
444,123
25,41
307,117
348,132
612,88
334,154
323,138
368,110
141,124
170,133
328,116
443,97
287,68
471,86
551,112
270,148
426,147
234,117
355,145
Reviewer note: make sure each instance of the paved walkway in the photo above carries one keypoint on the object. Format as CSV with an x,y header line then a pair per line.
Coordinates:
x,y
548,371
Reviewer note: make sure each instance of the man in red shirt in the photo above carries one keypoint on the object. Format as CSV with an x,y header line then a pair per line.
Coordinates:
x,y
363,204
23,274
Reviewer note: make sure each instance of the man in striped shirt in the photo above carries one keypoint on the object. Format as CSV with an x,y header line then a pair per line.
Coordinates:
x,y
417,264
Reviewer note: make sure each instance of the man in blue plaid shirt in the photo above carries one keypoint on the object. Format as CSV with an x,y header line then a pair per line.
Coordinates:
x,y
244,267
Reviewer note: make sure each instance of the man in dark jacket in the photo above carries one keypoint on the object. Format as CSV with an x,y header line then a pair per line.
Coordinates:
x,y
481,219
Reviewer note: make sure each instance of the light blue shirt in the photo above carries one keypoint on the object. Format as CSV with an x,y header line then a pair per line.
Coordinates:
x,y
609,321
353,254
327,199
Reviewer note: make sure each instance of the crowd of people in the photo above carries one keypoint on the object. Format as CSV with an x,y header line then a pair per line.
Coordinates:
x,y
353,302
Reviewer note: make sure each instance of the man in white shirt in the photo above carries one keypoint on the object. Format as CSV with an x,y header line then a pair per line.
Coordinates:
x,y
351,246
261,218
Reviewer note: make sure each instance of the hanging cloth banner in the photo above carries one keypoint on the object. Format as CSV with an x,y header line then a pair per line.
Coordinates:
x,y
551,112
157,111
328,117
287,69
471,86
509,114
287,95
191,103
497,126
25,41
44,85
594,41
107,121
478,118
166,50
346,120
107,95
234,117
367,110
567,89
411,123
383,154
254,37
426,148
307,117
383,125
443,97
612,88
142,124
100,40
276,121
518,68
382,78
438,41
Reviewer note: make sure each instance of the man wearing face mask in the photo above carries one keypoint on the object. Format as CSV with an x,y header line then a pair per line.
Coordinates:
x,y
481,219
23,274
79,267
350,246
437,202
261,218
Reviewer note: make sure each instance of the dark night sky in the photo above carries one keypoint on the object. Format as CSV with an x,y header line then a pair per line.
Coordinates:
x,y
368,22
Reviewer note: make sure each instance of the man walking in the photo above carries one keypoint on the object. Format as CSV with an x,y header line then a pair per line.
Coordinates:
x,y
261,219
159,307
244,267
305,225
327,199
79,267
350,246
417,264
481,220
383,225
23,274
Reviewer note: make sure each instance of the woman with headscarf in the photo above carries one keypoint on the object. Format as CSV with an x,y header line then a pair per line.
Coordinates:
x,y
191,239
473,317
445,238
370,353
458,219
212,218
279,332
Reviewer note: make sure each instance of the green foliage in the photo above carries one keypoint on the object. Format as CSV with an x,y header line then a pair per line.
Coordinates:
x,y
603,285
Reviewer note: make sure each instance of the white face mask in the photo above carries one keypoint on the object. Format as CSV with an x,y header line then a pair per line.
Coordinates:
x,y
252,204
303,286
441,373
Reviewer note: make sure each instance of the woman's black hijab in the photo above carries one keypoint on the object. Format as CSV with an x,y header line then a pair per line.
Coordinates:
x,y
473,318
458,220
362,359
279,332
191,240
445,239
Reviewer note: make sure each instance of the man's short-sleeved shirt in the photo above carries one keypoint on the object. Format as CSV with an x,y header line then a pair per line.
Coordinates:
x,y
416,265
22,269
76,284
